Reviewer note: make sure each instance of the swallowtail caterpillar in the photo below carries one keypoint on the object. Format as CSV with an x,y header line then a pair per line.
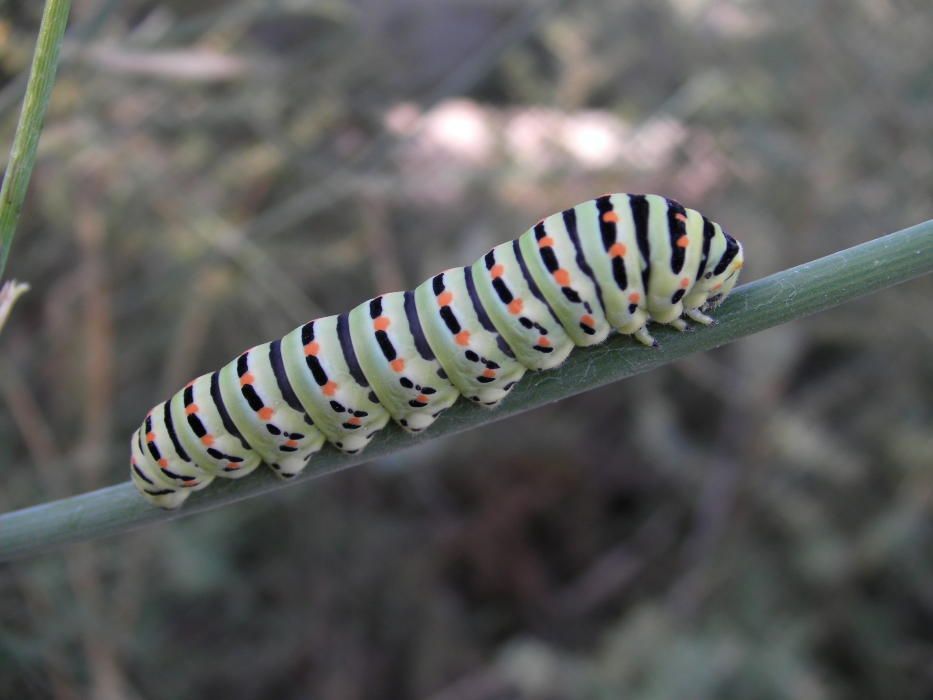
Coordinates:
x,y
611,263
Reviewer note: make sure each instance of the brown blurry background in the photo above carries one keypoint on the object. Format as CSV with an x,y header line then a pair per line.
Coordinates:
x,y
749,523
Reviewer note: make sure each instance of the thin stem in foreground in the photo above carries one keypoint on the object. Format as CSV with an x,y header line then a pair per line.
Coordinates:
x,y
784,296
10,291
26,140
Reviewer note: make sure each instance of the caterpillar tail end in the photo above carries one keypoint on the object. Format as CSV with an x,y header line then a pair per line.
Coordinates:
x,y
165,498
290,467
155,481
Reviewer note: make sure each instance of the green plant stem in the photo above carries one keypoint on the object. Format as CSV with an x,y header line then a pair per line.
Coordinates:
x,y
784,296
26,139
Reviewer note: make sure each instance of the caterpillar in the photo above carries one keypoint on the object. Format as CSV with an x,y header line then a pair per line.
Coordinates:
x,y
613,263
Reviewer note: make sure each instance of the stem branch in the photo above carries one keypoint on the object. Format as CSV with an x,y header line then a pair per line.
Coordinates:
x,y
26,140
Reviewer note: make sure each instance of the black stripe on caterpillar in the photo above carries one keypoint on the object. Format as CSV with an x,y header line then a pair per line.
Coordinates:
x,y
611,263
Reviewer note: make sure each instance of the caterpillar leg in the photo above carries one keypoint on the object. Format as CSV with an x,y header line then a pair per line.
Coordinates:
x,y
679,324
700,317
645,338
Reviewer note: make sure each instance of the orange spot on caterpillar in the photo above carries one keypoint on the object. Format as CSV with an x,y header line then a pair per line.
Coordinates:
x,y
497,271
684,282
381,323
265,413
421,398
312,348
634,298
562,277
354,421
610,217
544,342
208,440
398,365
462,338
163,463
150,437
291,443
683,242
247,379
330,388
546,242
587,320
490,373
232,466
191,408
516,306
444,298
617,250
716,286
680,217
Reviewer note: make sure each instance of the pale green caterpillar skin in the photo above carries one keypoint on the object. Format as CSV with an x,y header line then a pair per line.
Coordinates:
x,y
614,263
294,429
477,363
414,407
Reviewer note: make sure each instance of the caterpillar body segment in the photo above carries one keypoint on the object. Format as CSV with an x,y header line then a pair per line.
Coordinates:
x,y
263,404
517,308
323,369
607,231
207,433
616,262
669,280
398,361
565,278
478,361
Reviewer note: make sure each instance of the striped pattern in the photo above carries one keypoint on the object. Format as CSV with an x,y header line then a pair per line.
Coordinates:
x,y
614,263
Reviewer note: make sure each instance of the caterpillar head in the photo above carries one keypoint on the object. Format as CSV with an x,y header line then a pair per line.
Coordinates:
x,y
718,283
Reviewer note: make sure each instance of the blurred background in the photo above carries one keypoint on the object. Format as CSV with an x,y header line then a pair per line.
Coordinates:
x,y
752,522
